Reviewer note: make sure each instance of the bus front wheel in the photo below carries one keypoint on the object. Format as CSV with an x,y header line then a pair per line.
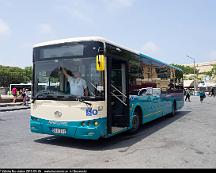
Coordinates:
x,y
135,123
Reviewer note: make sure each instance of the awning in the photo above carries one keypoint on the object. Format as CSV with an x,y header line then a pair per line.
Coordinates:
x,y
188,83
207,85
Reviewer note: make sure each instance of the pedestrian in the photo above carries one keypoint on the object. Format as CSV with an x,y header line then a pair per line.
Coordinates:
x,y
202,95
27,96
213,92
24,96
14,93
187,95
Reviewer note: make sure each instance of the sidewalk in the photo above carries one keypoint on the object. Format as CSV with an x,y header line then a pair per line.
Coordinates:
x,y
12,106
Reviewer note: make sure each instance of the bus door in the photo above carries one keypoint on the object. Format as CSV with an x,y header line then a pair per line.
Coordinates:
x,y
156,105
118,101
151,103
156,108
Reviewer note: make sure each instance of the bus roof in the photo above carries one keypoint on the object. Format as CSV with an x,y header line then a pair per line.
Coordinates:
x,y
20,84
156,60
97,38
79,39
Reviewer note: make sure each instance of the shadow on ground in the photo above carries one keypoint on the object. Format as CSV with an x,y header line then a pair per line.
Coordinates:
x,y
119,141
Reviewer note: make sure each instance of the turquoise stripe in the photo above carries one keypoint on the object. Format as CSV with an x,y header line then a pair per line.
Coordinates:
x,y
74,129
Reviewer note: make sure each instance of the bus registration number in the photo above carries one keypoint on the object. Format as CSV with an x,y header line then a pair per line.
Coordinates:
x,y
59,131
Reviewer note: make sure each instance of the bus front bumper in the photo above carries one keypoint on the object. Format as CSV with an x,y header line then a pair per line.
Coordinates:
x,y
79,130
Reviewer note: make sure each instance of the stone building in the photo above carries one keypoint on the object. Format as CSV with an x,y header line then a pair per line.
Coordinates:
x,y
203,67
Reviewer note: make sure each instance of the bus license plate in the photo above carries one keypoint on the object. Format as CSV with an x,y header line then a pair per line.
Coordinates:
x,y
59,131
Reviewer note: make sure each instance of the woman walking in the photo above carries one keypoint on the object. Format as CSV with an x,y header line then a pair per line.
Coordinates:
x,y
14,93
202,95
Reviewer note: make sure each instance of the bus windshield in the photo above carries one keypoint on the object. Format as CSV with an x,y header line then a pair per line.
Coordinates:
x,y
68,78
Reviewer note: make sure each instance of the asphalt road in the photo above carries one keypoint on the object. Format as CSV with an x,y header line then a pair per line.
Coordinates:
x,y
187,140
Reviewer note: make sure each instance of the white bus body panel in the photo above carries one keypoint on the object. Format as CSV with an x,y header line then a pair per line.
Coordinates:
x,y
68,110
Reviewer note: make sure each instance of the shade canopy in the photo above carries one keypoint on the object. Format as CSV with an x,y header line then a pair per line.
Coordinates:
x,y
188,83
207,84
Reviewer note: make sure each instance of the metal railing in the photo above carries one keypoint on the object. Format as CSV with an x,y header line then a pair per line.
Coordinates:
x,y
122,94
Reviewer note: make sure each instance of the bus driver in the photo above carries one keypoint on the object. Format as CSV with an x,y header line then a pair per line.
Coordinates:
x,y
78,85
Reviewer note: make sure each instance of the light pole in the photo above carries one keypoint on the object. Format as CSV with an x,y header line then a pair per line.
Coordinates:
x,y
194,72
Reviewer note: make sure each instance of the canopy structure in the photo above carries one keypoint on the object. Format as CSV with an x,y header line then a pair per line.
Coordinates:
x,y
188,83
207,84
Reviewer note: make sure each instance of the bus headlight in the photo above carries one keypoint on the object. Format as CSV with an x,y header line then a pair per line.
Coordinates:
x,y
83,123
89,123
96,123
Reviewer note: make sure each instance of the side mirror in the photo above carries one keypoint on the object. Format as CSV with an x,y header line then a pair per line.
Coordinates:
x,y
142,92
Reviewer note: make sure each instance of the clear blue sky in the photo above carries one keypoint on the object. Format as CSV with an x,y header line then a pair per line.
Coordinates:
x,y
165,29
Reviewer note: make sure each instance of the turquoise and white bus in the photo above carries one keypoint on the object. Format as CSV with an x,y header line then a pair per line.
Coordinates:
x,y
125,88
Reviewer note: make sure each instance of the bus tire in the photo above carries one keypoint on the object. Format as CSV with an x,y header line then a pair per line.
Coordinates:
x,y
135,123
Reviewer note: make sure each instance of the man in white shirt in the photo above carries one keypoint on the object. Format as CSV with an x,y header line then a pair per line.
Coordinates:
x,y
78,85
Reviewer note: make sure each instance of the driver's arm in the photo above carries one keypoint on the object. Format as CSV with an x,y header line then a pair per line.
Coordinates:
x,y
65,73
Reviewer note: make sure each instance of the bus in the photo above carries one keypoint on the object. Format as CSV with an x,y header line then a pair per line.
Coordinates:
x,y
20,86
27,86
125,88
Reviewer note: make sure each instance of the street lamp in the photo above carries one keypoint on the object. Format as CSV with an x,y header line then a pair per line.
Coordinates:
x,y
194,72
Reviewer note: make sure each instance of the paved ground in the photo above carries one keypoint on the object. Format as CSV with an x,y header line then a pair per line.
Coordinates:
x,y
187,140
4,107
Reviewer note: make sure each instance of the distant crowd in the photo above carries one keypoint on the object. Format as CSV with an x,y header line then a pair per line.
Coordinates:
x,y
23,93
202,94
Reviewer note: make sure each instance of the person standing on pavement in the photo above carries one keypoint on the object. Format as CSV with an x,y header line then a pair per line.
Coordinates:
x,y
24,96
202,95
187,95
14,93
213,92
27,96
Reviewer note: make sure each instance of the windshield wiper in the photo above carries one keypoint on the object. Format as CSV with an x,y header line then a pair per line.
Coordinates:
x,y
83,101
79,99
45,94
48,94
